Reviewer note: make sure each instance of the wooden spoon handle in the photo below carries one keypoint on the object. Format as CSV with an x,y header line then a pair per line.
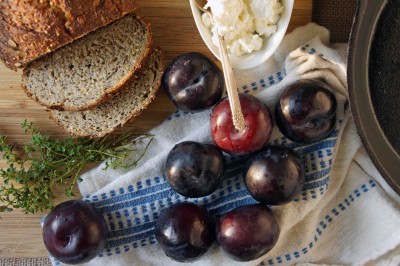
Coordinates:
x,y
234,102
231,88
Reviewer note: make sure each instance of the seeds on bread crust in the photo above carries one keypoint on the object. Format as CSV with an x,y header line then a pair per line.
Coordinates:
x,y
30,29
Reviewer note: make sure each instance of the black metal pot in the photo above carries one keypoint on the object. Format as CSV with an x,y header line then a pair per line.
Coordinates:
x,y
374,83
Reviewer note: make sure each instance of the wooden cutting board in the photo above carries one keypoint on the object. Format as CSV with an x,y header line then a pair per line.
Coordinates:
x,y
175,32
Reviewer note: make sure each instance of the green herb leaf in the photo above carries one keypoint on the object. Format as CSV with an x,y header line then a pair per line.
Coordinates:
x,y
45,163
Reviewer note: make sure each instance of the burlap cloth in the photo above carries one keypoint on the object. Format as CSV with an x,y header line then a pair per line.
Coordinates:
x,y
336,15
25,262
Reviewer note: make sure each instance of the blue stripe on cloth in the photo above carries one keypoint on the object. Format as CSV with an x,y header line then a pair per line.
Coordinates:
x,y
264,82
316,184
231,205
326,144
317,175
230,201
132,195
129,239
321,227
165,193
131,231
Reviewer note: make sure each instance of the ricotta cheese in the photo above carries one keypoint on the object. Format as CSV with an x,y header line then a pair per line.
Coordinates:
x,y
242,23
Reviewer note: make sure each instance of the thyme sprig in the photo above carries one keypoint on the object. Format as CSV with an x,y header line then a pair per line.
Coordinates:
x,y
44,163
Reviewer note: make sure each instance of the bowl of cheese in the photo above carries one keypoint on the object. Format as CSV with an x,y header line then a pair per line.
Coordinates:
x,y
252,29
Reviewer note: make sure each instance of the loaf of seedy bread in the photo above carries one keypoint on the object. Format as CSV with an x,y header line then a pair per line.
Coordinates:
x,y
30,29
127,104
90,70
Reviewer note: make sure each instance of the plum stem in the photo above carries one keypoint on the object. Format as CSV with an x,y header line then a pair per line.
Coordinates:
x,y
230,82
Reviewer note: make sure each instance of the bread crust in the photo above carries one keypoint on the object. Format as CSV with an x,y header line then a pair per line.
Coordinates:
x,y
107,94
30,29
151,96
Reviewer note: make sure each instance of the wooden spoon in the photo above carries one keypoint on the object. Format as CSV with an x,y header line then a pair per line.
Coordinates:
x,y
234,102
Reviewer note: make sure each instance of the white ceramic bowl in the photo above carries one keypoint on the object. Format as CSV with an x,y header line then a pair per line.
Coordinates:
x,y
245,61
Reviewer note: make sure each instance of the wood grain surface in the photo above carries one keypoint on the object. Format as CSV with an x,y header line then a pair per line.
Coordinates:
x,y
175,33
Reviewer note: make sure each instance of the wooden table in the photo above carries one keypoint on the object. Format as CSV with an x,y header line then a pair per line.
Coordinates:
x,y
175,32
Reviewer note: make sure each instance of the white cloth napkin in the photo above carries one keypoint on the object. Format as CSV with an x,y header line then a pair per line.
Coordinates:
x,y
346,215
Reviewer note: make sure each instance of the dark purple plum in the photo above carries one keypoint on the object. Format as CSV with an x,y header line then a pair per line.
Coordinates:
x,y
258,122
193,82
306,111
184,231
248,232
74,232
194,169
275,175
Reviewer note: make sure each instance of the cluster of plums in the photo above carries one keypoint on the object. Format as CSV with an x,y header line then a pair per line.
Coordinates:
x,y
305,112
274,175
75,232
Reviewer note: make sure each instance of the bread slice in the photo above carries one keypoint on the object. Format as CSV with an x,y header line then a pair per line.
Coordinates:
x,y
84,73
30,28
127,104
